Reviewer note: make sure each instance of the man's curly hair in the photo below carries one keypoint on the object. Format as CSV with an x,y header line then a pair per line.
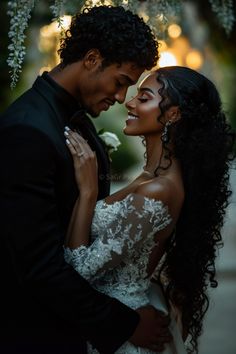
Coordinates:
x,y
203,143
118,34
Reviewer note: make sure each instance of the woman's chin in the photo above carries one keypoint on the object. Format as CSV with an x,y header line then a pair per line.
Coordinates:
x,y
128,131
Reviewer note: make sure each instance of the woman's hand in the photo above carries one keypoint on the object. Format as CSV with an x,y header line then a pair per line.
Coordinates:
x,y
85,164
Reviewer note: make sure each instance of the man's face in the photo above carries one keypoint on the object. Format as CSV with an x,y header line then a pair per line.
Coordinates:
x,y
105,86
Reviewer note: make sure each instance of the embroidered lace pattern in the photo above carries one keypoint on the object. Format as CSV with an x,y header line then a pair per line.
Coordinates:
x,y
116,261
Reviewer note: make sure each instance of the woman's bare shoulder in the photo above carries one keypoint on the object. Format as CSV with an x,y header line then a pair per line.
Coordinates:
x,y
156,188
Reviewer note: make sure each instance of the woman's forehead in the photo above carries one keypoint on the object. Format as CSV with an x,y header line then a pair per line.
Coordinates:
x,y
150,81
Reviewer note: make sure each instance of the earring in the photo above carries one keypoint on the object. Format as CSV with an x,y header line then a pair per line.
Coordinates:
x,y
165,136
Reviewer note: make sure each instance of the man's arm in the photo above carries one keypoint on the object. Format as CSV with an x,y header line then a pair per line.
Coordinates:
x,y
31,226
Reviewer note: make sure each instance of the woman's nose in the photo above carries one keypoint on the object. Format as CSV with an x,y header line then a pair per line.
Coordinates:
x,y
130,104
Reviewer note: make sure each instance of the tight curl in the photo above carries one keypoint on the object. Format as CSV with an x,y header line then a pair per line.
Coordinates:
x,y
118,34
203,142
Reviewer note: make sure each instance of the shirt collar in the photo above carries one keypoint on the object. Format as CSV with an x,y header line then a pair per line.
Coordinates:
x,y
61,100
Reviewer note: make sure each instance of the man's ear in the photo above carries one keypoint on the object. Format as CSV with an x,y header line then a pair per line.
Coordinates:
x,y
92,59
173,114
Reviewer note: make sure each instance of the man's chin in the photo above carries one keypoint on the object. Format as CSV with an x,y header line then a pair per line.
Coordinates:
x,y
92,113
95,115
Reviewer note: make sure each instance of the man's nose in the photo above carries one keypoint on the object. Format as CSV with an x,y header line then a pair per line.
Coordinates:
x,y
121,94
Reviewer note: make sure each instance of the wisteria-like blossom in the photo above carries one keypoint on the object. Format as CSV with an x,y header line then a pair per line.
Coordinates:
x,y
154,12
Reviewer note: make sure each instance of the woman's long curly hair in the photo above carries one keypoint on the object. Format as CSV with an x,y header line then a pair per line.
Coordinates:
x,y
202,142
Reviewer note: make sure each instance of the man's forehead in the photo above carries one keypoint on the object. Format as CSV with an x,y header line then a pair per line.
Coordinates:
x,y
130,72
128,79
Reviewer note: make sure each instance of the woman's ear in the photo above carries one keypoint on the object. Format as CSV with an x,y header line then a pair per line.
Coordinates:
x,y
173,114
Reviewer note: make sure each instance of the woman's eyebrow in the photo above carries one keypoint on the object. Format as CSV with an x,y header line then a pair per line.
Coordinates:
x,y
141,89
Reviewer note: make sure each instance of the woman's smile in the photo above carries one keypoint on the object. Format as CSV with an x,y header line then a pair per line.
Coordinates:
x,y
131,118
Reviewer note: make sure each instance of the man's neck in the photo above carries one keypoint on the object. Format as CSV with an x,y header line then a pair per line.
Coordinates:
x,y
66,77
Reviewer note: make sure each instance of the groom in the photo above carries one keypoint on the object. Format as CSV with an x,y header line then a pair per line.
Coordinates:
x,y
46,306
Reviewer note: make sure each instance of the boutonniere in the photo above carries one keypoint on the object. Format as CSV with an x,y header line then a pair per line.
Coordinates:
x,y
110,140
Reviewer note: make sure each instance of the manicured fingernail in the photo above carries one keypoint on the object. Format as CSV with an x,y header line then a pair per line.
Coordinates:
x,y
66,133
68,141
67,128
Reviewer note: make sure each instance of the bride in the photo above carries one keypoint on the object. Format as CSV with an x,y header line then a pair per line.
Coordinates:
x,y
166,223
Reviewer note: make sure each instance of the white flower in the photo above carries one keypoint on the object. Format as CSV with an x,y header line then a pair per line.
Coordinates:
x,y
111,140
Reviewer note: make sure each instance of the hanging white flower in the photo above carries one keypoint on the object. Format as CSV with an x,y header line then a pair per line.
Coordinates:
x,y
20,13
58,11
154,12
224,10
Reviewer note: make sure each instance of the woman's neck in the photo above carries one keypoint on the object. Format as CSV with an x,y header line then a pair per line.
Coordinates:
x,y
153,152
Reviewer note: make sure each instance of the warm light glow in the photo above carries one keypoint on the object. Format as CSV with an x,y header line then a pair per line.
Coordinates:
x,y
194,59
54,28
162,45
167,59
44,68
174,31
144,16
49,39
66,21
106,2
46,44
49,42
181,45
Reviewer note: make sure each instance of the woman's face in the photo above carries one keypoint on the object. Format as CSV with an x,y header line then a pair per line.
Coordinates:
x,y
143,109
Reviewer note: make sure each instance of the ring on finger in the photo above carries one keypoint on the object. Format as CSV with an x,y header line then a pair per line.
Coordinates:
x,y
80,154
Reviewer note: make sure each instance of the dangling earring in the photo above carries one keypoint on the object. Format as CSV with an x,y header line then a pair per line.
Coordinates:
x,y
165,136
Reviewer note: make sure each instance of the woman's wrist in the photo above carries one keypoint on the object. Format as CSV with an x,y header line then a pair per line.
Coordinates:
x,y
88,195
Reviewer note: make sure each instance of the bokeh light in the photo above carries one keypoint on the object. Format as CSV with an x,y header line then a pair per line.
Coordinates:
x,y
194,59
174,30
167,59
162,45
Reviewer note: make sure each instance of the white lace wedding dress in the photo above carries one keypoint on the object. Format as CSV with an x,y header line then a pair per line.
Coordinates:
x,y
116,262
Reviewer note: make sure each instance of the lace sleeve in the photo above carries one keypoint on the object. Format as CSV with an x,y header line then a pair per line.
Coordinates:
x,y
131,221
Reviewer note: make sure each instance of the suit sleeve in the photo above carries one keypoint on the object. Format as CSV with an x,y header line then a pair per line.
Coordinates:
x,y
32,230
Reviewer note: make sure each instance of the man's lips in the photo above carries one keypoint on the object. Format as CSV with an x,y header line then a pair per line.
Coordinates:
x,y
106,104
110,102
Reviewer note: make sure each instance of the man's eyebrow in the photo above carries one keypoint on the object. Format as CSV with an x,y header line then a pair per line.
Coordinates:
x,y
142,89
128,79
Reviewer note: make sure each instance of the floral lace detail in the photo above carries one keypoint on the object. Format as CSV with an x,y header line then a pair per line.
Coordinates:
x,y
123,235
126,348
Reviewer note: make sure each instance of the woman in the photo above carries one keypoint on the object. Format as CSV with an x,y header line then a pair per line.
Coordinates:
x,y
172,211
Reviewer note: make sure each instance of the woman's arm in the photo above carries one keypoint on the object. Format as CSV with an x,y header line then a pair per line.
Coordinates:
x,y
85,164
80,222
131,221
115,241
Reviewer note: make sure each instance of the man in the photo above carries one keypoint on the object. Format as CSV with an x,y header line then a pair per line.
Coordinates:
x,y
47,307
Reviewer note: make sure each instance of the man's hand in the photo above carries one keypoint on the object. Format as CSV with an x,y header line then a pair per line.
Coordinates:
x,y
152,331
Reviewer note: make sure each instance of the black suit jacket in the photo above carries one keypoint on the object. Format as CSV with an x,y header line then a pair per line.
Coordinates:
x,y
46,306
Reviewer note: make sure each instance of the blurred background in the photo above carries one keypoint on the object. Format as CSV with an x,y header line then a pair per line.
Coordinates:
x,y
190,37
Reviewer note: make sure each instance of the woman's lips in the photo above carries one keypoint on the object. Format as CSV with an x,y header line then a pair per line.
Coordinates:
x,y
131,118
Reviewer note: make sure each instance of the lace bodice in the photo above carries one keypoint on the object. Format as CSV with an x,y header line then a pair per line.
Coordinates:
x,y
122,239
123,236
